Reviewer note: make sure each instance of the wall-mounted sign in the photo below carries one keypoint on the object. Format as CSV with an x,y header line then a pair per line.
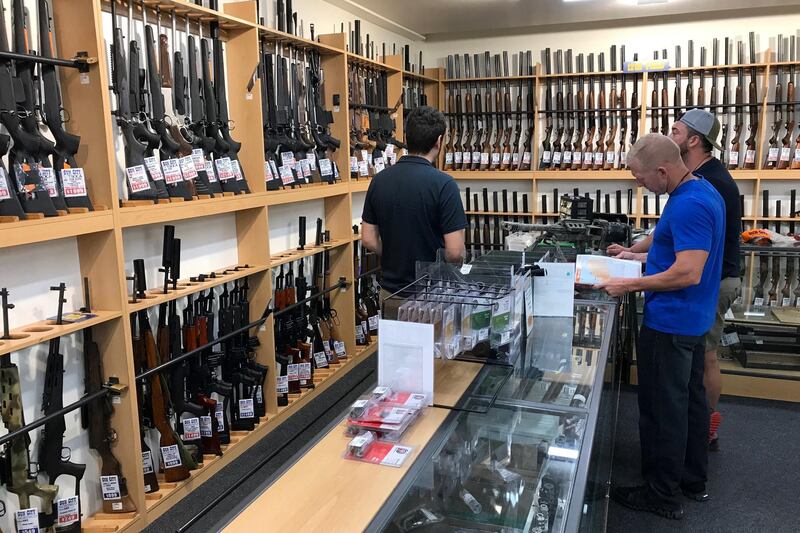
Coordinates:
x,y
655,65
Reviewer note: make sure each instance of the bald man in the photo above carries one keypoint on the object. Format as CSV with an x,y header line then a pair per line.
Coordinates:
x,y
681,286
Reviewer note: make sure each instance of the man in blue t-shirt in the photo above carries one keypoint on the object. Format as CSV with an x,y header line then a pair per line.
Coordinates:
x,y
681,286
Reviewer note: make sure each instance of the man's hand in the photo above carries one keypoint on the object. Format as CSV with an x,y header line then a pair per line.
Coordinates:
x,y
615,249
642,258
616,287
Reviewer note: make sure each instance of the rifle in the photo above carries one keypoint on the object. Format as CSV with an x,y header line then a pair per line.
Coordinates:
x,y
786,292
320,123
701,92
458,152
176,459
98,422
547,154
516,157
601,109
773,151
466,156
714,100
26,180
610,159
786,151
525,164
580,109
505,162
690,84
738,124
676,95
67,144
588,147
497,152
16,470
51,444
486,156
566,159
664,98
623,103
557,148
362,315
726,98
634,113
9,200
654,101
750,154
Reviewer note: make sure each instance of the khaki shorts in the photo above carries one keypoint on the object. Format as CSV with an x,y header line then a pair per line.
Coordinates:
x,y
728,291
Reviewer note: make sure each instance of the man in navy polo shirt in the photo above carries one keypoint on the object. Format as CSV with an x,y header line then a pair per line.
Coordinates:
x,y
681,287
412,210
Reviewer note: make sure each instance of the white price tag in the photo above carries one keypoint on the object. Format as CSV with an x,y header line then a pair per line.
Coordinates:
x,y
466,268
611,157
321,359
772,155
353,164
172,170
389,149
483,334
5,190
485,158
49,180
206,430
154,168
729,339
526,158
466,157
338,347
598,158
750,156
325,167
259,394
268,172
219,415
459,157
363,169
305,168
287,158
68,512
365,155
191,428
392,159
496,158
397,456
380,164
110,487
27,520
137,178
588,157
312,160
786,154
74,182
797,155
282,384
733,158
287,176
224,168
199,160
758,302
557,158
304,371
448,158
212,176
246,408
171,456
515,159
476,157
188,168
786,302
237,170
547,156
568,158
623,159
147,462
274,167
373,323
293,372
506,158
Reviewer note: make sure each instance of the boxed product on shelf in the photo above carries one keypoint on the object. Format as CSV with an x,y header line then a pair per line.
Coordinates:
x,y
367,448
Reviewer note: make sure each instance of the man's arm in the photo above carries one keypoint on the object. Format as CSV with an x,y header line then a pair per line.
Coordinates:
x,y
454,248
687,270
371,238
640,247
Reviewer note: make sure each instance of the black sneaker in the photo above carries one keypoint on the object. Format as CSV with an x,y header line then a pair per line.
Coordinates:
x,y
698,496
641,498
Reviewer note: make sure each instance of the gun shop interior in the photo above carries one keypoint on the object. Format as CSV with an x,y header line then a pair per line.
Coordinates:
x,y
246,245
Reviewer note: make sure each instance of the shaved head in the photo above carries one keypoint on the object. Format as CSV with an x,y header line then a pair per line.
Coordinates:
x,y
654,150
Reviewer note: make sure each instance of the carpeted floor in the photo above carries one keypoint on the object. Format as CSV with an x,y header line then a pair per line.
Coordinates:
x,y
754,481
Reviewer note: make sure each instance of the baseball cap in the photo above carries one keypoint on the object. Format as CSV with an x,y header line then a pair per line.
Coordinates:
x,y
703,123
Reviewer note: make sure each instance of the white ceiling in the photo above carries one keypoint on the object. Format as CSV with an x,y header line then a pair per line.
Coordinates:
x,y
446,19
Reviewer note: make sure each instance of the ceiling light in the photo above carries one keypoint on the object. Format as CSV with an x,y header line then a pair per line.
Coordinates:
x,y
648,2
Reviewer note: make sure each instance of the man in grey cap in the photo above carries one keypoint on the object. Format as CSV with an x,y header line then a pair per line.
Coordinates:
x,y
696,134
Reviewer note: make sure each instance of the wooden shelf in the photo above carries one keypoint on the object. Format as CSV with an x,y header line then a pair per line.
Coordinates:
x,y
417,76
161,501
498,213
490,78
775,219
288,256
52,228
491,174
583,174
44,330
203,14
156,296
782,174
274,35
314,191
173,212
360,185
111,522
363,61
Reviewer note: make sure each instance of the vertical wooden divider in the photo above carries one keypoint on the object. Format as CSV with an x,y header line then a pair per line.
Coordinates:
x,y
335,83
394,92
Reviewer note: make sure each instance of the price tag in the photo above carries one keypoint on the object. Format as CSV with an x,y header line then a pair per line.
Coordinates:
x,y
287,176
750,156
191,428
5,190
568,158
611,157
785,302
27,520
154,168
365,155
526,158
758,302
321,359
506,158
353,164
623,159
379,164
786,154
172,170
733,158
393,159
389,149
137,178
547,156
68,512
729,339
304,371
312,160
588,157
74,182
448,158
298,170
363,169
373,323
49,180
466,268
246,408
305,168
237,170
327,347
484,158
188,168
147,462
797,155
110,487
219,414
199,160
268,176
293,372
556,158
772,155
259,395
598,158
287,158
459,157
325,167
496,158
170,456
224,168
338,347
476,157
359,332
483,334
466,157
505,337
283,384
212,176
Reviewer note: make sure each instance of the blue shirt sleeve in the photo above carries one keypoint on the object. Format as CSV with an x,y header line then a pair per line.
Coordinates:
x,y
693,226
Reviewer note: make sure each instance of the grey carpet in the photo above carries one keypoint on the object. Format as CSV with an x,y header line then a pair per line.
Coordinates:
x,y
291,436
754,481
